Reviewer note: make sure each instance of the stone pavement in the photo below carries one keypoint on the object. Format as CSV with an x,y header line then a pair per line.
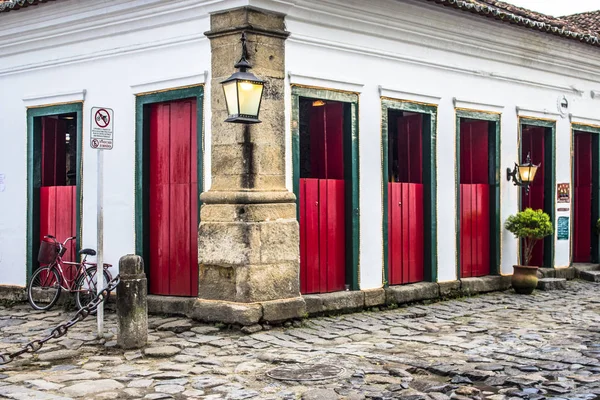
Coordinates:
x,y
495,346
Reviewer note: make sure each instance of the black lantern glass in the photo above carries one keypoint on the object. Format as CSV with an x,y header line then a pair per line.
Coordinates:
x,y
243,92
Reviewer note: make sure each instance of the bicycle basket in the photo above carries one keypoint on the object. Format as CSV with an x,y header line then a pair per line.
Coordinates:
x,y
48,252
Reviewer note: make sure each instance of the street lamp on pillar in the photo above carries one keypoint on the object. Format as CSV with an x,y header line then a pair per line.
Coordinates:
x,y
243,91
523,174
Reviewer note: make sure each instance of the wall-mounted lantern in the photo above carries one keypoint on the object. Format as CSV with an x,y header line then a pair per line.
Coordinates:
x,y
523,174
243,92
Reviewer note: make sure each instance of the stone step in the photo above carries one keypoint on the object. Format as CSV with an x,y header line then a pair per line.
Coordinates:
x,y
592,276
552,284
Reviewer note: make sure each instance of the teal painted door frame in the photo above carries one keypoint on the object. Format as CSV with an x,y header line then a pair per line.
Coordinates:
x,y
34,149
550,180
350,173
429,181
142,114
595,130
494,179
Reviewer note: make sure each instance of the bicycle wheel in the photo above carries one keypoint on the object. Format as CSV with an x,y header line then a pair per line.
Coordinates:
x,y
87,286
44,288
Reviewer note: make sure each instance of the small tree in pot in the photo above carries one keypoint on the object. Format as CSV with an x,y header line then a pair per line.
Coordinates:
x,y
531,226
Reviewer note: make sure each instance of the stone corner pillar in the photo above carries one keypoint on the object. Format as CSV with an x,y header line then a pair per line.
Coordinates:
x,y
248,247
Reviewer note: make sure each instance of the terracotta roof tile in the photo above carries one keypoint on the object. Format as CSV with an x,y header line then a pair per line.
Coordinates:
x,y
589,21
8,5
511,14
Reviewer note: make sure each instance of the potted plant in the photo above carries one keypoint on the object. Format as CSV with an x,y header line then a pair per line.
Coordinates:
x,y
530,226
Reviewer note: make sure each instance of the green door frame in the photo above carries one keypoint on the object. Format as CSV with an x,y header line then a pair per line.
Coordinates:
x,y
429,181
350,169
595,130
142,126
550,180
34,174
494,179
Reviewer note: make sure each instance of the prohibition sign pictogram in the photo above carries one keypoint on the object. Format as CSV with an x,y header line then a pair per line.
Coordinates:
x,y
102,118
95,144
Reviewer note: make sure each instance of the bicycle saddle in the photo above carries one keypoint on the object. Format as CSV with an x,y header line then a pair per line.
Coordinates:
x,y
88,252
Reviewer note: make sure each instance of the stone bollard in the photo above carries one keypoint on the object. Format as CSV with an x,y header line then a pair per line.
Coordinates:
x,y
132,305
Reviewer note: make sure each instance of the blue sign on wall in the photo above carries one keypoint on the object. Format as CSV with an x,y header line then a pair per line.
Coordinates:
x,y
562,229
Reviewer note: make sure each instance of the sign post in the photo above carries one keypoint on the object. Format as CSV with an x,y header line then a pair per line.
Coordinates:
x,y
101,138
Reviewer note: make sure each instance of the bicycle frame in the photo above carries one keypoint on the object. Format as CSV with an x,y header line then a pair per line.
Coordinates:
x,y
82,267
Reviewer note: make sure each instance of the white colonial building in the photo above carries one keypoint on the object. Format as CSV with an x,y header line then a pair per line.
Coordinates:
x,y
401,116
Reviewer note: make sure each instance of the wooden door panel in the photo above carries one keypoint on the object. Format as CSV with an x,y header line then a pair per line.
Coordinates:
x,y
417,234
533,143
310,234
474,230
474,198
405,233
395,233
173,199
466,232
179,239
334,213
582,237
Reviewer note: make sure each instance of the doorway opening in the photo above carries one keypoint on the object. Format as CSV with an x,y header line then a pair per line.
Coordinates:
x,y
406,212
169,175
323,136
537,140
54,159
585,193
478,193
409,195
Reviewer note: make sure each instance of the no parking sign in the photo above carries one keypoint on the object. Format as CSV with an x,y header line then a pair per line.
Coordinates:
x,y
101,133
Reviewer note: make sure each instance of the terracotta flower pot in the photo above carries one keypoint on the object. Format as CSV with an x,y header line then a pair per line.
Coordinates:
x,y
524,279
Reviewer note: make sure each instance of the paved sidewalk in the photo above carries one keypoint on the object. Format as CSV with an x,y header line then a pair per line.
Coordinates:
x,y
495,346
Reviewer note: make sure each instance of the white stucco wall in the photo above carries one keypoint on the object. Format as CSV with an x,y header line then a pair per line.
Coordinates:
x,y
431,54
414,50
111,50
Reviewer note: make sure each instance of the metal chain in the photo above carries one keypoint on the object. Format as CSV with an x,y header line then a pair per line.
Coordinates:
x,y
62,329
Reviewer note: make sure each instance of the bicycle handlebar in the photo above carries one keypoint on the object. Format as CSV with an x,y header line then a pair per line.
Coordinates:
x,y
63,243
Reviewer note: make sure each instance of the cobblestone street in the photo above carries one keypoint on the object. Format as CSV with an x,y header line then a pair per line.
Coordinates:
x,y
495,346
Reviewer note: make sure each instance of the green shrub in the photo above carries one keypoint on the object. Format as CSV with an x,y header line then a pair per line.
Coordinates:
x,y
531,226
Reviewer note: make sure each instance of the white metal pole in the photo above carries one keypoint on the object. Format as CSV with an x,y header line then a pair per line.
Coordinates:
x,y
100,259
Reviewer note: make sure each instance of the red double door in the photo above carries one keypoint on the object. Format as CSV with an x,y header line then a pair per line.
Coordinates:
x,y
582,232
533,143
322,201
474,199
173,199
58,198
405,202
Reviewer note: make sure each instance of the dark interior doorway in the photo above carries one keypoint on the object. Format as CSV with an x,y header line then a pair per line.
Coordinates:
x,y
58,179
537,141
323,144
585,192
406,219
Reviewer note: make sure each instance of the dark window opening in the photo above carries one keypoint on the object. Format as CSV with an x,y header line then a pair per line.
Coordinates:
x,y
59,150
405,147
321,139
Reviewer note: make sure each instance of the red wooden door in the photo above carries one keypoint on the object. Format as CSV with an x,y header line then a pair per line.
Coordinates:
x,y
322,204
405,204
173,199
474,199
532,142
58,202
582,235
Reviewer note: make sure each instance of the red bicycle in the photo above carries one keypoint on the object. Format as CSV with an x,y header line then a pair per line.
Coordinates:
x,y
50,279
